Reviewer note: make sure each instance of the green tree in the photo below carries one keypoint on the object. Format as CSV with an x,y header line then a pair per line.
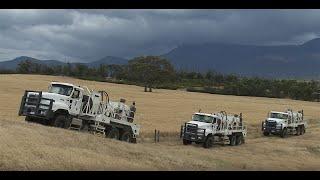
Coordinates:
x,y
150,70
81,70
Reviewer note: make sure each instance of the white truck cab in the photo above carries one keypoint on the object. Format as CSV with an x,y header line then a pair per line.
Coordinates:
x,y
67,96
216,127
283,123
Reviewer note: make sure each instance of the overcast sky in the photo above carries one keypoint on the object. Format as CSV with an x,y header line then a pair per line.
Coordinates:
x,y
88,35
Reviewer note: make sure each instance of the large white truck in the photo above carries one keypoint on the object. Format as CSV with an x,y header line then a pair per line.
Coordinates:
x,y
206,129
69,106
284,123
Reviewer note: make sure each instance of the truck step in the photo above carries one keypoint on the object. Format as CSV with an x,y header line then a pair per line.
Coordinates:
x,y
75,124
98,129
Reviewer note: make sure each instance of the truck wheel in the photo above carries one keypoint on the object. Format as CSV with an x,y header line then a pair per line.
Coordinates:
x,y
186,142
60,121
302,130
266,133
284,133
243,141
126,136
232,139
209,142
113,133
298,130
28,119
239,139
85,128
133,140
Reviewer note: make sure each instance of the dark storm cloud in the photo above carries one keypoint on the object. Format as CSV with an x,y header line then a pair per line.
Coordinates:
x,y
88,35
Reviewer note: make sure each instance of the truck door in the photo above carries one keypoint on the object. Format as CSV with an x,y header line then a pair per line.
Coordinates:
x,y
75,102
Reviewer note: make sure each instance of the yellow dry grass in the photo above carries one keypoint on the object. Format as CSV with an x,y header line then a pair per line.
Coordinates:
x,y
28,146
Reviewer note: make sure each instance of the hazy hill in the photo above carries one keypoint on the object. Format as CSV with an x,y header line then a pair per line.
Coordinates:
x,y
108,60
295,61
285,61
13,64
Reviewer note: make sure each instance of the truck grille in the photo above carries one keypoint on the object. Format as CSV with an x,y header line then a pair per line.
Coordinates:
x,y
32,99
191,128
32,103
272,124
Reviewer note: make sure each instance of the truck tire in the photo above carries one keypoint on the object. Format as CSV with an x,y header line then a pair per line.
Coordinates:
x,y
284,133
113,133
243,141
28,119
239,139
126,136
85,128
133,140
186,142
209,142
302,130
298,130
60,121
232,139
266,133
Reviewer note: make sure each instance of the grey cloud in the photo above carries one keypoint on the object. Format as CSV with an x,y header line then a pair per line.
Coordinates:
x,y
86,35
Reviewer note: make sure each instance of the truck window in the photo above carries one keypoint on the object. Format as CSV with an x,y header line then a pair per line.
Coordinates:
x,y
61,89
202,118
278,115
76,94
214,120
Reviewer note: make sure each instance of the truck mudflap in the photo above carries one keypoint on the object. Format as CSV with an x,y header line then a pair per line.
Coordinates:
x,y
32,104
192,133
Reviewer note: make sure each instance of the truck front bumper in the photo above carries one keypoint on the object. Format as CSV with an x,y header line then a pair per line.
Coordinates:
x,y
192,133
32,106
193,137
273,130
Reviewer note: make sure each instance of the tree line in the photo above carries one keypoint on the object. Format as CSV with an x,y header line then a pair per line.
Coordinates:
x,y
156,72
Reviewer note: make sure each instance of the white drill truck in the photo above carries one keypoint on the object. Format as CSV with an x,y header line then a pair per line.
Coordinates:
x,y
216,127
284,123
69,106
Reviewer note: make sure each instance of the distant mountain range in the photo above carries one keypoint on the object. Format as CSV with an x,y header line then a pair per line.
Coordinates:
x,y
249,60
13,64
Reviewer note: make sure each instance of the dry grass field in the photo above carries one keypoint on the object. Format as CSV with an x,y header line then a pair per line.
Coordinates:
x,y
30,146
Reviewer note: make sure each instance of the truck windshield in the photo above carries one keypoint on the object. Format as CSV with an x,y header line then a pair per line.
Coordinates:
x,y
202,118
278,115
61,89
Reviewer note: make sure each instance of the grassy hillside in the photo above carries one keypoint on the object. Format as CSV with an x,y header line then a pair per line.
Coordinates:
x,y
29,146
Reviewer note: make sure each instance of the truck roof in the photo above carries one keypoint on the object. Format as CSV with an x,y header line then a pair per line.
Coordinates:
x,y
67,84
278,112
206,114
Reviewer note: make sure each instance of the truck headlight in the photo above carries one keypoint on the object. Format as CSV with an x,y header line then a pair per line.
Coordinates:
x,y
199,131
